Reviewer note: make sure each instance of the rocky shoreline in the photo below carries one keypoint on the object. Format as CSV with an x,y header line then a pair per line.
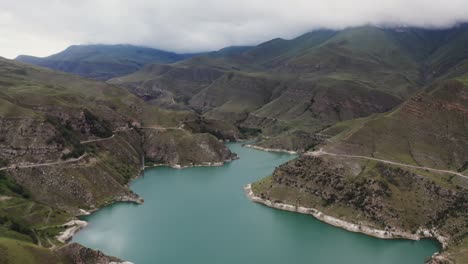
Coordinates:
x,y
378,233
73,227
203,164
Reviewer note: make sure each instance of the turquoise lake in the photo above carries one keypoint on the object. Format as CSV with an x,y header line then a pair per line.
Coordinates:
x,y
201,216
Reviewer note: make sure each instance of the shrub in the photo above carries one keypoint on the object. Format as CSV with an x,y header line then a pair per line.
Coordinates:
x,y
4,162
7,183
250,131
66,136
100,128
23,229
464,167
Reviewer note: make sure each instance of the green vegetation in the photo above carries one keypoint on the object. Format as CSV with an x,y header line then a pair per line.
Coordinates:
x,y
218,128
27,221
464,167
65,137
19,252
250,132
100,128
8,185
3,162
432,136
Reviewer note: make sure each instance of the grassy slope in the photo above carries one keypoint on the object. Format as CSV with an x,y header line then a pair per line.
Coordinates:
x,y
435,134
19,252
32,87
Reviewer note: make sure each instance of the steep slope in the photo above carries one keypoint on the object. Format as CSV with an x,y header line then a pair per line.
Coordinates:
x,y
435,135
48,116
304,84
308,83
166,85
402,172
103,62
69,144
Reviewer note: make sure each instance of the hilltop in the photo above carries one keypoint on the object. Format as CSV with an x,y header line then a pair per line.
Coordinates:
x,y
103,62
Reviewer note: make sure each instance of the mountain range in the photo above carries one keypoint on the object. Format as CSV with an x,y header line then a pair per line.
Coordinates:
x,y
379,115
102,62
307,83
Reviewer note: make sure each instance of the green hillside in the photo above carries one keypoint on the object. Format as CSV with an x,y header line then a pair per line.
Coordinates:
x,y
70,143
435,134
364,176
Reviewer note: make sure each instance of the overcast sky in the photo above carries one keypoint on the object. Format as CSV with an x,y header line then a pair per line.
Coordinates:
x,y
44,27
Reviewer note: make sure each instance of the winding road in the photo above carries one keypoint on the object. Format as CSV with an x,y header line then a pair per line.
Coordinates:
x,y
60,162
322,152
23,166
180,127
96,140
20,166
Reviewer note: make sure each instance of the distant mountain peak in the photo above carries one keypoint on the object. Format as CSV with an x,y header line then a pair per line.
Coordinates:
x,y
104,61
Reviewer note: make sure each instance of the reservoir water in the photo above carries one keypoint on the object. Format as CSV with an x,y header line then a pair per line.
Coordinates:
x,y
201,216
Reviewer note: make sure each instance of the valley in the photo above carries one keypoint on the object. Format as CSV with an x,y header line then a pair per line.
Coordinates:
x,y
221,223
378,119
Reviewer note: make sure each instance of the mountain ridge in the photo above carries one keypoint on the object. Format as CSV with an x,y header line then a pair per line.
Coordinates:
x,y
101,61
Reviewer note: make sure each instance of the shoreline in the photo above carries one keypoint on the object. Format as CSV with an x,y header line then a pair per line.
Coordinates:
x,y
75,225
271,150
203,164
366,230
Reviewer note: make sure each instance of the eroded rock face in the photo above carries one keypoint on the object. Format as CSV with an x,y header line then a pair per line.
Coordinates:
x,y
96,179
77,254
439,259
27,139
179,147
387,196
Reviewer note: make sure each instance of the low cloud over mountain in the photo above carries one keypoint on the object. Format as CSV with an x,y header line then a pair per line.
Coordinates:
x,y
199,25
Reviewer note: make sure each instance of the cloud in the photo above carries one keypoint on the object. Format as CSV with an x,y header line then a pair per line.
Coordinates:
x,y
44,27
